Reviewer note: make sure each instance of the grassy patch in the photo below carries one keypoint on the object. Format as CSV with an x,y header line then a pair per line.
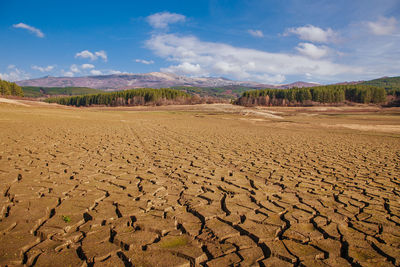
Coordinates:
x,y
174,242
66,219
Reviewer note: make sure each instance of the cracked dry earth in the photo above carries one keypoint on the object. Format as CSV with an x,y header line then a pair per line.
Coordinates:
x,y
126,188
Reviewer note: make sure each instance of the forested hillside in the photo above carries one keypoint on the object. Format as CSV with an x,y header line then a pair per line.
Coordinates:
x,y
135,97
10,88
392,86
388,83
225,92
33,91
321,94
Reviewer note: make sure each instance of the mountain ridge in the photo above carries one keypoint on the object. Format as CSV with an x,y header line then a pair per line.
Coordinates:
x,y
152,80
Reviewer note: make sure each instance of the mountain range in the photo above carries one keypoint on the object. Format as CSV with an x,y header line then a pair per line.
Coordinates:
x,y
149,80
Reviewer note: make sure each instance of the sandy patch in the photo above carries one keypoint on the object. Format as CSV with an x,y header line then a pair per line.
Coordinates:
x,y
265,114
12,101
377,128
364,127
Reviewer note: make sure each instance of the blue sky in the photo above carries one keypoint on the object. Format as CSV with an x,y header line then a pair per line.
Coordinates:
x,y
269,41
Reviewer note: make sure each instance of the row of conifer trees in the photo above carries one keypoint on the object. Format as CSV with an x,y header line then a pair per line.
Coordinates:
x,y
10,88
134,97
321,94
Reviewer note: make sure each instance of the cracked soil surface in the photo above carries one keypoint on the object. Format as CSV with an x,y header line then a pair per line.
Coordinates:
x,y
103,187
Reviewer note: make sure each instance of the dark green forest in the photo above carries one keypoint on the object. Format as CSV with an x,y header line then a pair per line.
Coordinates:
x,y
10,88
391,84
33,91
328,94
134,97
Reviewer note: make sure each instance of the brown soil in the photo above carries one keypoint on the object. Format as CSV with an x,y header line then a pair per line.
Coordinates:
x,y
212,185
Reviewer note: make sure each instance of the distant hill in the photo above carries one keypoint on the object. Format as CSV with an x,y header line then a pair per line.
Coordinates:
x,y
129,81
32,91
389,83
296,84
147,80
227,92
349,83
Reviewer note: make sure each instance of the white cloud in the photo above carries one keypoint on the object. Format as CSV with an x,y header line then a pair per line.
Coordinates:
x,y
86,54
67,73
31,29
379,55
256,33
312,34
92,56
383,26
74,68
161,20
43,69
113,72
86,69
312,51
87,66
143,61
95,72
194,56
14,74
101,54
187,69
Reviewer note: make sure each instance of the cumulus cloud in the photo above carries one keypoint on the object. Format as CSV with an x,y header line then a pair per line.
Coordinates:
x,y
195,57
14,74
312,33
86,54
43,69
85,70
312,51
31,29
187,68
102,54
256,33
143,61
67,73
383,26
95,72
92,56
87,66
74,68
113,72
161,20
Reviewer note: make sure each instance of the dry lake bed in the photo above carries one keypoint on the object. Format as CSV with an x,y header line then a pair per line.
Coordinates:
x,y
206,185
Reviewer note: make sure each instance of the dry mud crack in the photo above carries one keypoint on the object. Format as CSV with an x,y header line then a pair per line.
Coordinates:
x,y
84,187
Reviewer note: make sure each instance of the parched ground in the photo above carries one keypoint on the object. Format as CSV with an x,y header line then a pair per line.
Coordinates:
x,y
207,185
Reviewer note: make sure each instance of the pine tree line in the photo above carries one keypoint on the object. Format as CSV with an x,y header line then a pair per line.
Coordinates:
x,y
394,92
134,97
321,94
10,88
